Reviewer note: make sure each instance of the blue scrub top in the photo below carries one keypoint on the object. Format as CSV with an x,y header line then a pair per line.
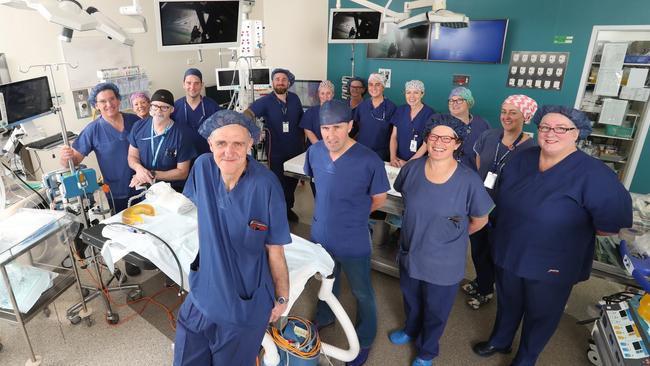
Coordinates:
x,y
374,126
434,238
546,221
408,129
174,146
310,121
233,283
475,128
345,188
193,119
283,145
486,148
112,149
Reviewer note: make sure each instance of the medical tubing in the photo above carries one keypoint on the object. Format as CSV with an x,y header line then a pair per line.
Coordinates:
x,y
325,294
178,263
45,204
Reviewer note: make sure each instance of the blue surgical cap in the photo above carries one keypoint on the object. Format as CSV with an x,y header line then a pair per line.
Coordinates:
x,y
290,75
464,93
227,117
334,111
92,97
578,118
195,72
460,128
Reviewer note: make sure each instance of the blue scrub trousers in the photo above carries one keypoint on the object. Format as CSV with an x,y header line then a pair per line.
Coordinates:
x,y
199,341
483,263
357,271
540,304
427,308
288,184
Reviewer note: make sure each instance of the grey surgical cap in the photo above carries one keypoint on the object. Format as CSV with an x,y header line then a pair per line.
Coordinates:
x,y
333,112
414,85
227,117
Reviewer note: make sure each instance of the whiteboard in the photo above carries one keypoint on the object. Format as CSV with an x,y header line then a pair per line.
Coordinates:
x,y
92,54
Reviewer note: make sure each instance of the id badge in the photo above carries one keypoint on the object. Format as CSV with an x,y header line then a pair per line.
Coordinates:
x,y
414,146
490,180
285,127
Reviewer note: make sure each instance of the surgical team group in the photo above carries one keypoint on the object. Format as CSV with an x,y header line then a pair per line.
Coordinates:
x,y
530,207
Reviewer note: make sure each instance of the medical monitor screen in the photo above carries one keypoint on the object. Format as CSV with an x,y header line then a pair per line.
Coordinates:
x,y
192,25
307,91
261,77
482,41
354,26
227,79
25,100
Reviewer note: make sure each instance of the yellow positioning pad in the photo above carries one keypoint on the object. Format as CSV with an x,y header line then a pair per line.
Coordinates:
x,y
133,215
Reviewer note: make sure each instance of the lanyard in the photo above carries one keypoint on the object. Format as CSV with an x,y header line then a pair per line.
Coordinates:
x,y
383,111
496,164
156,150
283,107
202,109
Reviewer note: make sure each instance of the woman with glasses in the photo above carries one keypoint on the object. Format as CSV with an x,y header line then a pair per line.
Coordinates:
x,y
460,102
444,202
372,118
493,149
406,140
552,201
140,103
160,150
357,89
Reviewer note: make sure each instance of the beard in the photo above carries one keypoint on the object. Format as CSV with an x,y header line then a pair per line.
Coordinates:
x,y
280,90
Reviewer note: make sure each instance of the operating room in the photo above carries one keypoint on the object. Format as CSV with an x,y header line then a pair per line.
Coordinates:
x,y
280,182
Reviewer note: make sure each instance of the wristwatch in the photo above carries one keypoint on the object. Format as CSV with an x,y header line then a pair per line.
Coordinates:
x,y
281,300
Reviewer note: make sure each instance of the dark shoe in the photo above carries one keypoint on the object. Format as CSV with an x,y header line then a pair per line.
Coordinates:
x,y
292,215
362,357
477,300
470,288
485,349
132,270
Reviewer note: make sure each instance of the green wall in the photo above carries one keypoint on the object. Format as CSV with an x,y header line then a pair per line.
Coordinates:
x,y
532,26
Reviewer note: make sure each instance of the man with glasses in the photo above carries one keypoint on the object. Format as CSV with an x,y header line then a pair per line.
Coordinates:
x,y
372,118
160,149
191,110
357,89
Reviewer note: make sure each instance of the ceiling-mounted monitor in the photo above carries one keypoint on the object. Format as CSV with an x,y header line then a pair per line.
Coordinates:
x,y
196,25
227,79
482,41
307,91
356,25
23,101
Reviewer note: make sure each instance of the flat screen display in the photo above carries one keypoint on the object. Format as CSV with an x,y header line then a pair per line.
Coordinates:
x,y
354,26
227,79
261,77
307,91
25,100
482,41
192,25
408,44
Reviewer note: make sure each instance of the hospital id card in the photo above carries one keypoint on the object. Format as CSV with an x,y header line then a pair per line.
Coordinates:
x,y
414,146
490,180
285,127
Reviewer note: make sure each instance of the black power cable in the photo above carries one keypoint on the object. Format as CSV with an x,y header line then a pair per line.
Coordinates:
x,y
44,202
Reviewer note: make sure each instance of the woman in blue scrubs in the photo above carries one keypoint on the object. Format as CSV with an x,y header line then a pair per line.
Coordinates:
x,y
372,118
161,149
107,137
552,202
494,148
356,89
140,103
309,121
406,140
444,202
460,102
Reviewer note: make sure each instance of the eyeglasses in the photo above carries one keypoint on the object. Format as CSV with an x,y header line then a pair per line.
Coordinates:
x,y
163,108
558,130
356,87
455,101
445,139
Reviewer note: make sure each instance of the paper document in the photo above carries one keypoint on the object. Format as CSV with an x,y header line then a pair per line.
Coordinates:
x,y
637,78
613,112
613,56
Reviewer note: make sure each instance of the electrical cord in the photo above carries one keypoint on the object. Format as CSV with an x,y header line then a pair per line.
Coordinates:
x,y
143,231
310,347
44,202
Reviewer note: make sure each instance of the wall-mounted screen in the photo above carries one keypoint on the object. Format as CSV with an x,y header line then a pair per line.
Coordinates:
x,y
23,101
261,77
227,79
410,44
193,25
482,41
307,91
354,26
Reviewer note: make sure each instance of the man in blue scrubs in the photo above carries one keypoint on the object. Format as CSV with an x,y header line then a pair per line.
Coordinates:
x,y
351,182
282,112
160,149
239,280
107,137
372,118
191,110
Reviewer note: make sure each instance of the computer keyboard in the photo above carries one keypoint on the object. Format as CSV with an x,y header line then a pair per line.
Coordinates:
x,y
49,141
